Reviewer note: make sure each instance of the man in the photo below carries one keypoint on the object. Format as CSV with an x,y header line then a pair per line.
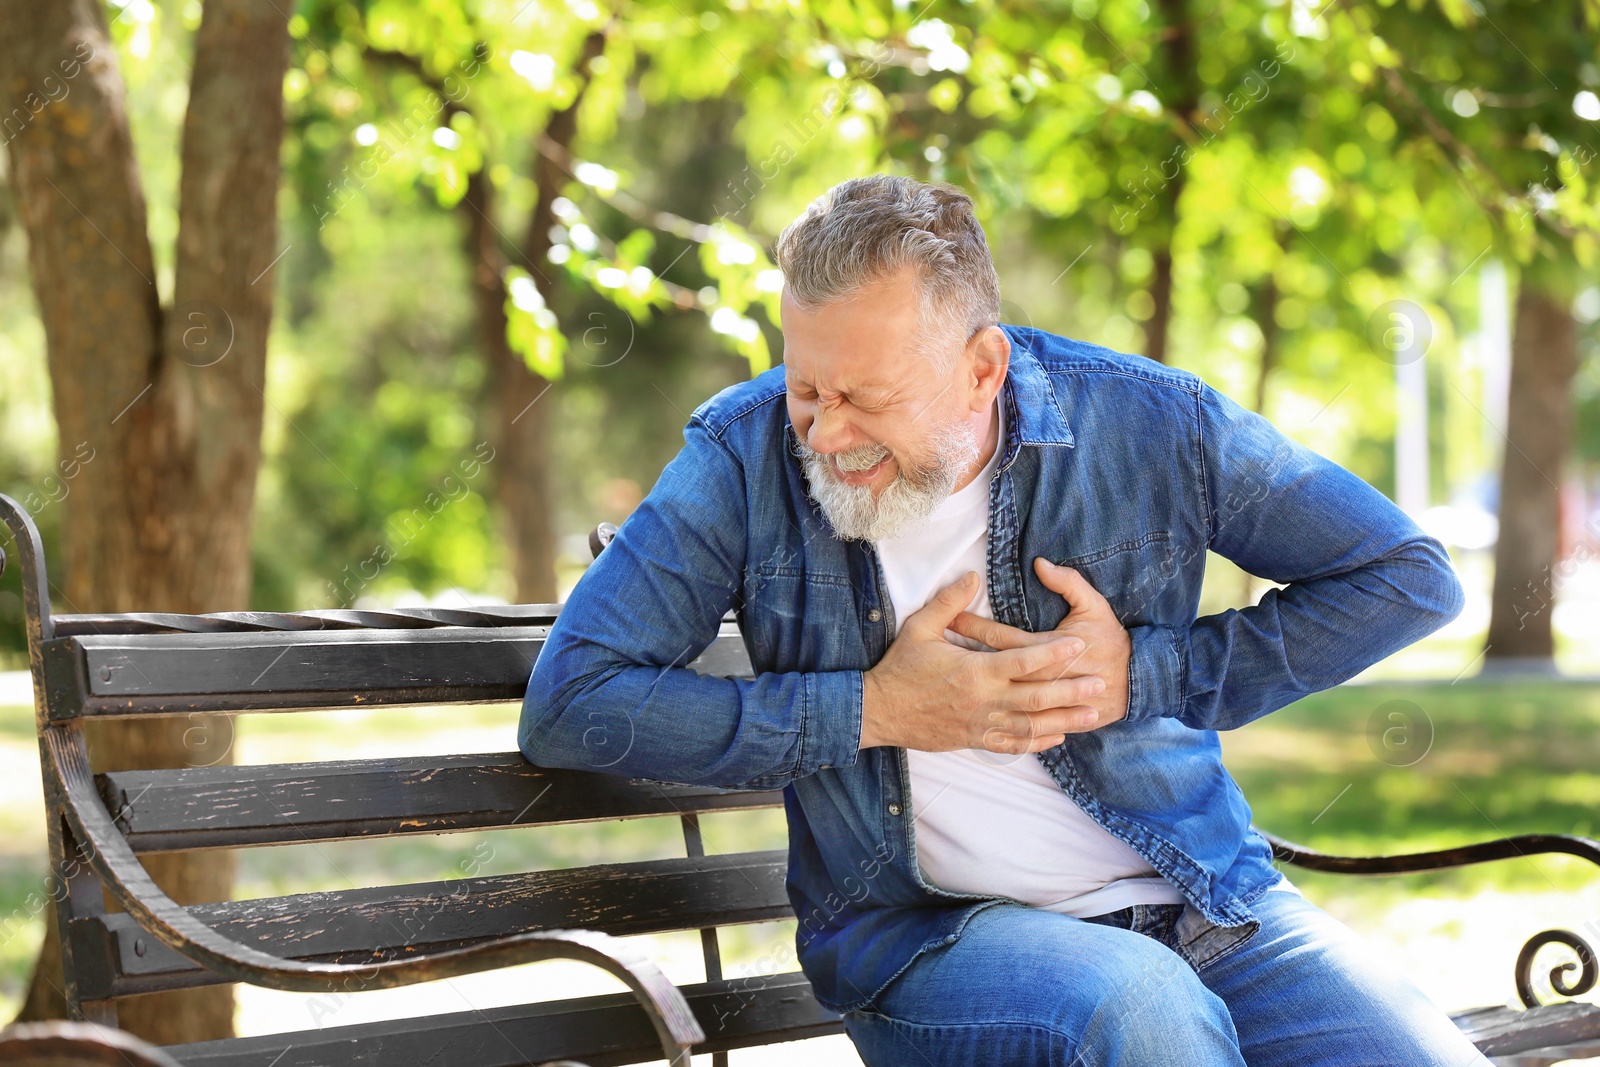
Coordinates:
x,y
966,559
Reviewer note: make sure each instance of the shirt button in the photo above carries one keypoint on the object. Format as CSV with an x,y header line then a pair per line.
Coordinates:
x,y
894,809
874,615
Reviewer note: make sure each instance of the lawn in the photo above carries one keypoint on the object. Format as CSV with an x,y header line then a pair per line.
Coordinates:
x,y
1481,760
1504,758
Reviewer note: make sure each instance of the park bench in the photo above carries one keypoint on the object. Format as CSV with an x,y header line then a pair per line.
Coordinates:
x,y
89,666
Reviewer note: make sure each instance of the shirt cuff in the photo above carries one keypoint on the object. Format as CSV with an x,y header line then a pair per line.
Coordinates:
x,y
1155,673
830,728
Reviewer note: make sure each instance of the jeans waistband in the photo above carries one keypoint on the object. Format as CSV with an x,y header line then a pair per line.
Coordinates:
x,y
1181,928
1154,920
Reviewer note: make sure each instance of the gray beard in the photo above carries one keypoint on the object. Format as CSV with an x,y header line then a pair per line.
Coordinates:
x,y
904,504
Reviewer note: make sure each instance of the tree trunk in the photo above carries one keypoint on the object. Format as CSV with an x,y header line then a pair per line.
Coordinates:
x,y
1155,331
519,410
1267,320
1179,47
1265,299
170,402
519,407
1544,359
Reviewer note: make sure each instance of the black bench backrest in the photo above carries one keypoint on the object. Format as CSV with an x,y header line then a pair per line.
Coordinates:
x,y
126,665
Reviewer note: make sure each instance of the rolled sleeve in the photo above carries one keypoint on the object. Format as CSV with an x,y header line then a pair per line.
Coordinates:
x,y
1155,672
831,734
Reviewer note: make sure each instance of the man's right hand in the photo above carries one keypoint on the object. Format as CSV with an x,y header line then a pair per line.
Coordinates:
x,y
930,694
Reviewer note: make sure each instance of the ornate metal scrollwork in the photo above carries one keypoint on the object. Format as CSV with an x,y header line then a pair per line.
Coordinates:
x,y
1558,982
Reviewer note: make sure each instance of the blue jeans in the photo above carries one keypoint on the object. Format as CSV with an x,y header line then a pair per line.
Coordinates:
x,y
1024,987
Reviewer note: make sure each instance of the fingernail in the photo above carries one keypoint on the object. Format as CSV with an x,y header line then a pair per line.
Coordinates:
x,y
1098,687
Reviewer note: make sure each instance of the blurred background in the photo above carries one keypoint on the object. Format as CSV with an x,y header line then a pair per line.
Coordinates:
x,y
321,304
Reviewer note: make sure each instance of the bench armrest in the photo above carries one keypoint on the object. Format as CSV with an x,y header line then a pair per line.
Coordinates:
x,y
1440,859
130,885
60,1044
1481,852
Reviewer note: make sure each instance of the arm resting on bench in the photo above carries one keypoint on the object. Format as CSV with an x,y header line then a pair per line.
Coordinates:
x,y
612,690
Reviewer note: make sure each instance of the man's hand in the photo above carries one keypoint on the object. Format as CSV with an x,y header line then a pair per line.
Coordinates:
x,y
1107,646
931,694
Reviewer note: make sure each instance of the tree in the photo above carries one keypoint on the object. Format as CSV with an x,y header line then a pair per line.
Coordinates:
x,y
492,131
1510,121
169,395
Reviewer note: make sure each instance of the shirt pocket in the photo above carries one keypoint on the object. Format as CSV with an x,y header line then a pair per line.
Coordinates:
x,y
1134,575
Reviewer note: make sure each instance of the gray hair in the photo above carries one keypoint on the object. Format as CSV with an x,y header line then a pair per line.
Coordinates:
x,y
864,228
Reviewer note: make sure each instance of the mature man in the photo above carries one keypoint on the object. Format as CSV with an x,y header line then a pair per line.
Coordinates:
x,y
966,559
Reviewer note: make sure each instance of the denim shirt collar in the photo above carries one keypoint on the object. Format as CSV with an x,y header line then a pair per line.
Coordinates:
x,y
1033,417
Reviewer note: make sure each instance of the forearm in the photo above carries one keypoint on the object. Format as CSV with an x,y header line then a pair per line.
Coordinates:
x,y
611,690
1225,670
631,719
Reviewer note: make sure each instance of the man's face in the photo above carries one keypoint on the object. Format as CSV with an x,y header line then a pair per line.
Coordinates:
x,y
883,435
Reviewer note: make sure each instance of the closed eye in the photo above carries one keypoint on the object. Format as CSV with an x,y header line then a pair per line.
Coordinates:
x,y
871,402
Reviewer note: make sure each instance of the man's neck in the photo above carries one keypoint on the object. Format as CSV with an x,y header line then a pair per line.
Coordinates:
x,y
990,433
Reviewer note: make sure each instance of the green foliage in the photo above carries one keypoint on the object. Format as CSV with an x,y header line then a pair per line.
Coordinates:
x,y
531,327
1334,160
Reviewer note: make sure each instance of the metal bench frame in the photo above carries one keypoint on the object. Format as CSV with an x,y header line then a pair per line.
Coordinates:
x,y
150,664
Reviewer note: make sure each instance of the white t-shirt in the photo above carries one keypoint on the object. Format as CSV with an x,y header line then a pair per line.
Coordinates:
x,y
992,823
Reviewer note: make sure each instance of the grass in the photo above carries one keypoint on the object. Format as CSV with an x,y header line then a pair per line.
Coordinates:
x,y
1503,758
1339,773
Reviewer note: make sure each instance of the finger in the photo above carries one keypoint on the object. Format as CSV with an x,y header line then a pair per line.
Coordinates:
x,y
1007,724
1023,746
1064,693
1076,719
997,635
1038,731
1073,586
1058,654
1019,744
935,616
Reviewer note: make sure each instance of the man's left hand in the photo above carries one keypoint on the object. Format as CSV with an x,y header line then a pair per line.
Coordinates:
x,y
1107,650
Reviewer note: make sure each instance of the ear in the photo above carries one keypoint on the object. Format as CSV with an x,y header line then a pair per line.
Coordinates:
x,y
991,356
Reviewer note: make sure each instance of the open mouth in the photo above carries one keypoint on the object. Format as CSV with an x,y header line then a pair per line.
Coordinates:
x,y
860,477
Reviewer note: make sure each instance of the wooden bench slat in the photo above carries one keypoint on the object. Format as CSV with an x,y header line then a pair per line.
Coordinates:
x,y
597,1031
232,806
178,673
148,622
118,958
1549,1057
1499,1031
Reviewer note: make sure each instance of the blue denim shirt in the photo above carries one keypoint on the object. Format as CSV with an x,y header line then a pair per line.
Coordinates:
x,y
1123,468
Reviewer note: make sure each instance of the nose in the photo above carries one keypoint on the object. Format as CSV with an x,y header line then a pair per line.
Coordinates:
x,y
830,431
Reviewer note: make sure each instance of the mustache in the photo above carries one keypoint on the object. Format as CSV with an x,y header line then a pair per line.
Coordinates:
x,y
860,458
